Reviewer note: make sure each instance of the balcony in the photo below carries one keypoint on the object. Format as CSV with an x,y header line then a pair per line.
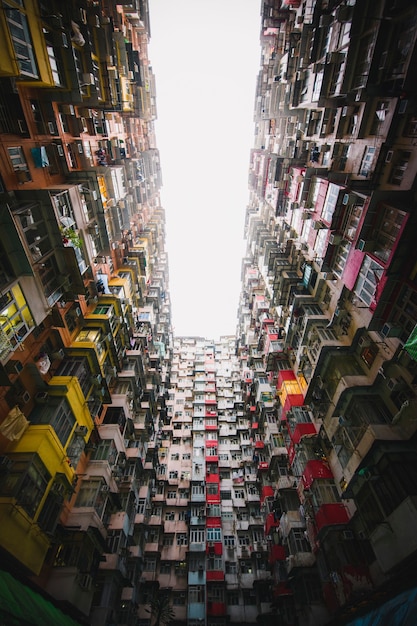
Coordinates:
x,y
301,559
114,562
315,469
334,513
214,576
395,539
277,553
216,609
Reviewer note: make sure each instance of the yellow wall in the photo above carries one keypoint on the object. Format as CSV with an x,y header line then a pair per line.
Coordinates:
x,y
21,537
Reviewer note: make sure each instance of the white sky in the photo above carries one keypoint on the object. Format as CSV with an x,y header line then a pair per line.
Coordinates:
x,y
205,55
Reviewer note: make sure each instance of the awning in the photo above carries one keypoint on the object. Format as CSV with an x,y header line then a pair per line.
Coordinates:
x,y
411,344
15,424
39,156
21,605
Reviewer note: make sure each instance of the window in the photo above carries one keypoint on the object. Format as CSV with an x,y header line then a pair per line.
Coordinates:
x,y
54,60
168,540
182,539
215,594
91,495
214,510
22,42
18,159
149,565
225,495
215,564
368,279
171,495
196,594
324,492
229,541
249,598
367,159
244,540
27,482
60,417
197,536
141,508
214,534
232,598
411,128
339,263
231,567
179,598
212,489
400,164
297,541
15,320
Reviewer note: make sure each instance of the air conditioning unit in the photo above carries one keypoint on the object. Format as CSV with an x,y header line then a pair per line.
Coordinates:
x,y
335,239
24,397
68,109
389,330
85,581
363,341
59,489
334,57
14,366
365,246
52,128
6,464
105,488
325,21
344,14
88,79
41,397
23,129
259,556
81,430
317,225
393,383
345,199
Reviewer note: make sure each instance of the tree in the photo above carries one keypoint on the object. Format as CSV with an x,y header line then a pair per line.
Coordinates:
x,y
161,610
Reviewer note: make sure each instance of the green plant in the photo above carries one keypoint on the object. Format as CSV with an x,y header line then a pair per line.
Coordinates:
x,y
70,236
161,610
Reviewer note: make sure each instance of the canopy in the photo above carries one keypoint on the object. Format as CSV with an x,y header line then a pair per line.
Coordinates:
x,y
21,605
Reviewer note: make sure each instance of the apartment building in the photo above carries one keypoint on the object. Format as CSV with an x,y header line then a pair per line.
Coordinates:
x,y
262,478
85,310
324,320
